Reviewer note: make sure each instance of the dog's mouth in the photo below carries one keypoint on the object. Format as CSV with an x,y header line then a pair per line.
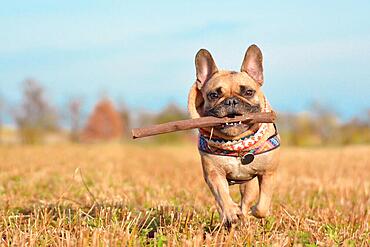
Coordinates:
x,y
232,124
233,128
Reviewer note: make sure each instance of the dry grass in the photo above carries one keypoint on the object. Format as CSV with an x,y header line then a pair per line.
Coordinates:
x,y
134,195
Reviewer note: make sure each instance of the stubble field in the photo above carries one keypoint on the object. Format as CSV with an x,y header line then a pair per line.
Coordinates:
x,y
125,194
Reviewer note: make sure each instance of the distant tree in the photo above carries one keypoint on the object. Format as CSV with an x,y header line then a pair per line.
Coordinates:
x,y
326,122
321,126
288,128
126,118
75,118
356,131
304,131
35,117
104,123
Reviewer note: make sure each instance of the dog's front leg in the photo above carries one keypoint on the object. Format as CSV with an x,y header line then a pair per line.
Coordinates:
x,y
266,183
216,180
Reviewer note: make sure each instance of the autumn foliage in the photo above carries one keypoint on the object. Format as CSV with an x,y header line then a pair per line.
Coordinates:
x,y
105,123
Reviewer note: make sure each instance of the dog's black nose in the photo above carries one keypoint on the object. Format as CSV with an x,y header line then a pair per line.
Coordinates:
x,y
231,101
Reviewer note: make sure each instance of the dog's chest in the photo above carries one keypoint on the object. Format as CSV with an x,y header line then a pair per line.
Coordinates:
x,y
236,170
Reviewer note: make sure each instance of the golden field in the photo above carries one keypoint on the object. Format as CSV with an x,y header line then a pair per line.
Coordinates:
x,y
126,194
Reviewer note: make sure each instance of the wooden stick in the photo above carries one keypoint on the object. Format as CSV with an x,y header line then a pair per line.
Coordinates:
x,y
251,118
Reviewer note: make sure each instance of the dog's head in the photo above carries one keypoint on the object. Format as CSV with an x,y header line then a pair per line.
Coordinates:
x,y
228,93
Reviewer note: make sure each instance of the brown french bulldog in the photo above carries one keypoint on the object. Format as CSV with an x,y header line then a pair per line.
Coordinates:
x,y
235,153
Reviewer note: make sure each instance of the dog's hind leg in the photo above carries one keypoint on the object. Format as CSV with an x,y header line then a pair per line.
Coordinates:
x,y
249,193
266,184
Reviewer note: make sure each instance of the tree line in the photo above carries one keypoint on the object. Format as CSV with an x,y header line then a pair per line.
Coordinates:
x,y
37,119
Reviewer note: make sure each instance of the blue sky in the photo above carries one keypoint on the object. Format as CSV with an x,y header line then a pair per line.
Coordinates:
x,y
142,52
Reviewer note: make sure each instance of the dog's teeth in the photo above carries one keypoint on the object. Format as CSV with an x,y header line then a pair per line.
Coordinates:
x,y
240,122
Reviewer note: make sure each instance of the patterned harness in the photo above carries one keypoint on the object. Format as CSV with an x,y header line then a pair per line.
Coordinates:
x,y
245,148
239,148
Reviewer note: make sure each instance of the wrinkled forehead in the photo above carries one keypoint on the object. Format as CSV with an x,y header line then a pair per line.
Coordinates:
x,y
230,79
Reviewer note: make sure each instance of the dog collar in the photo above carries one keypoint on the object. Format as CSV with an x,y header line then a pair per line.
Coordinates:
x,y
245,148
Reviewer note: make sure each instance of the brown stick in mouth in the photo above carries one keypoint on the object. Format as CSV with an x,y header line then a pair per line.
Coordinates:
x,y
202,122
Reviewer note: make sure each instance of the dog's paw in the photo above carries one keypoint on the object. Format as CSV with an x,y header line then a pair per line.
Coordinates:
x,y
246,210
231,215
259,213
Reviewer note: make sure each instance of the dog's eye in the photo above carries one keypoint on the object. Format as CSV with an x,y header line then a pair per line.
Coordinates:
x,y
249,93
213,96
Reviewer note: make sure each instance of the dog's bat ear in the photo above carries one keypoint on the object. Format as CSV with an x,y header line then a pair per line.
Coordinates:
x,y
252,64
205,67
